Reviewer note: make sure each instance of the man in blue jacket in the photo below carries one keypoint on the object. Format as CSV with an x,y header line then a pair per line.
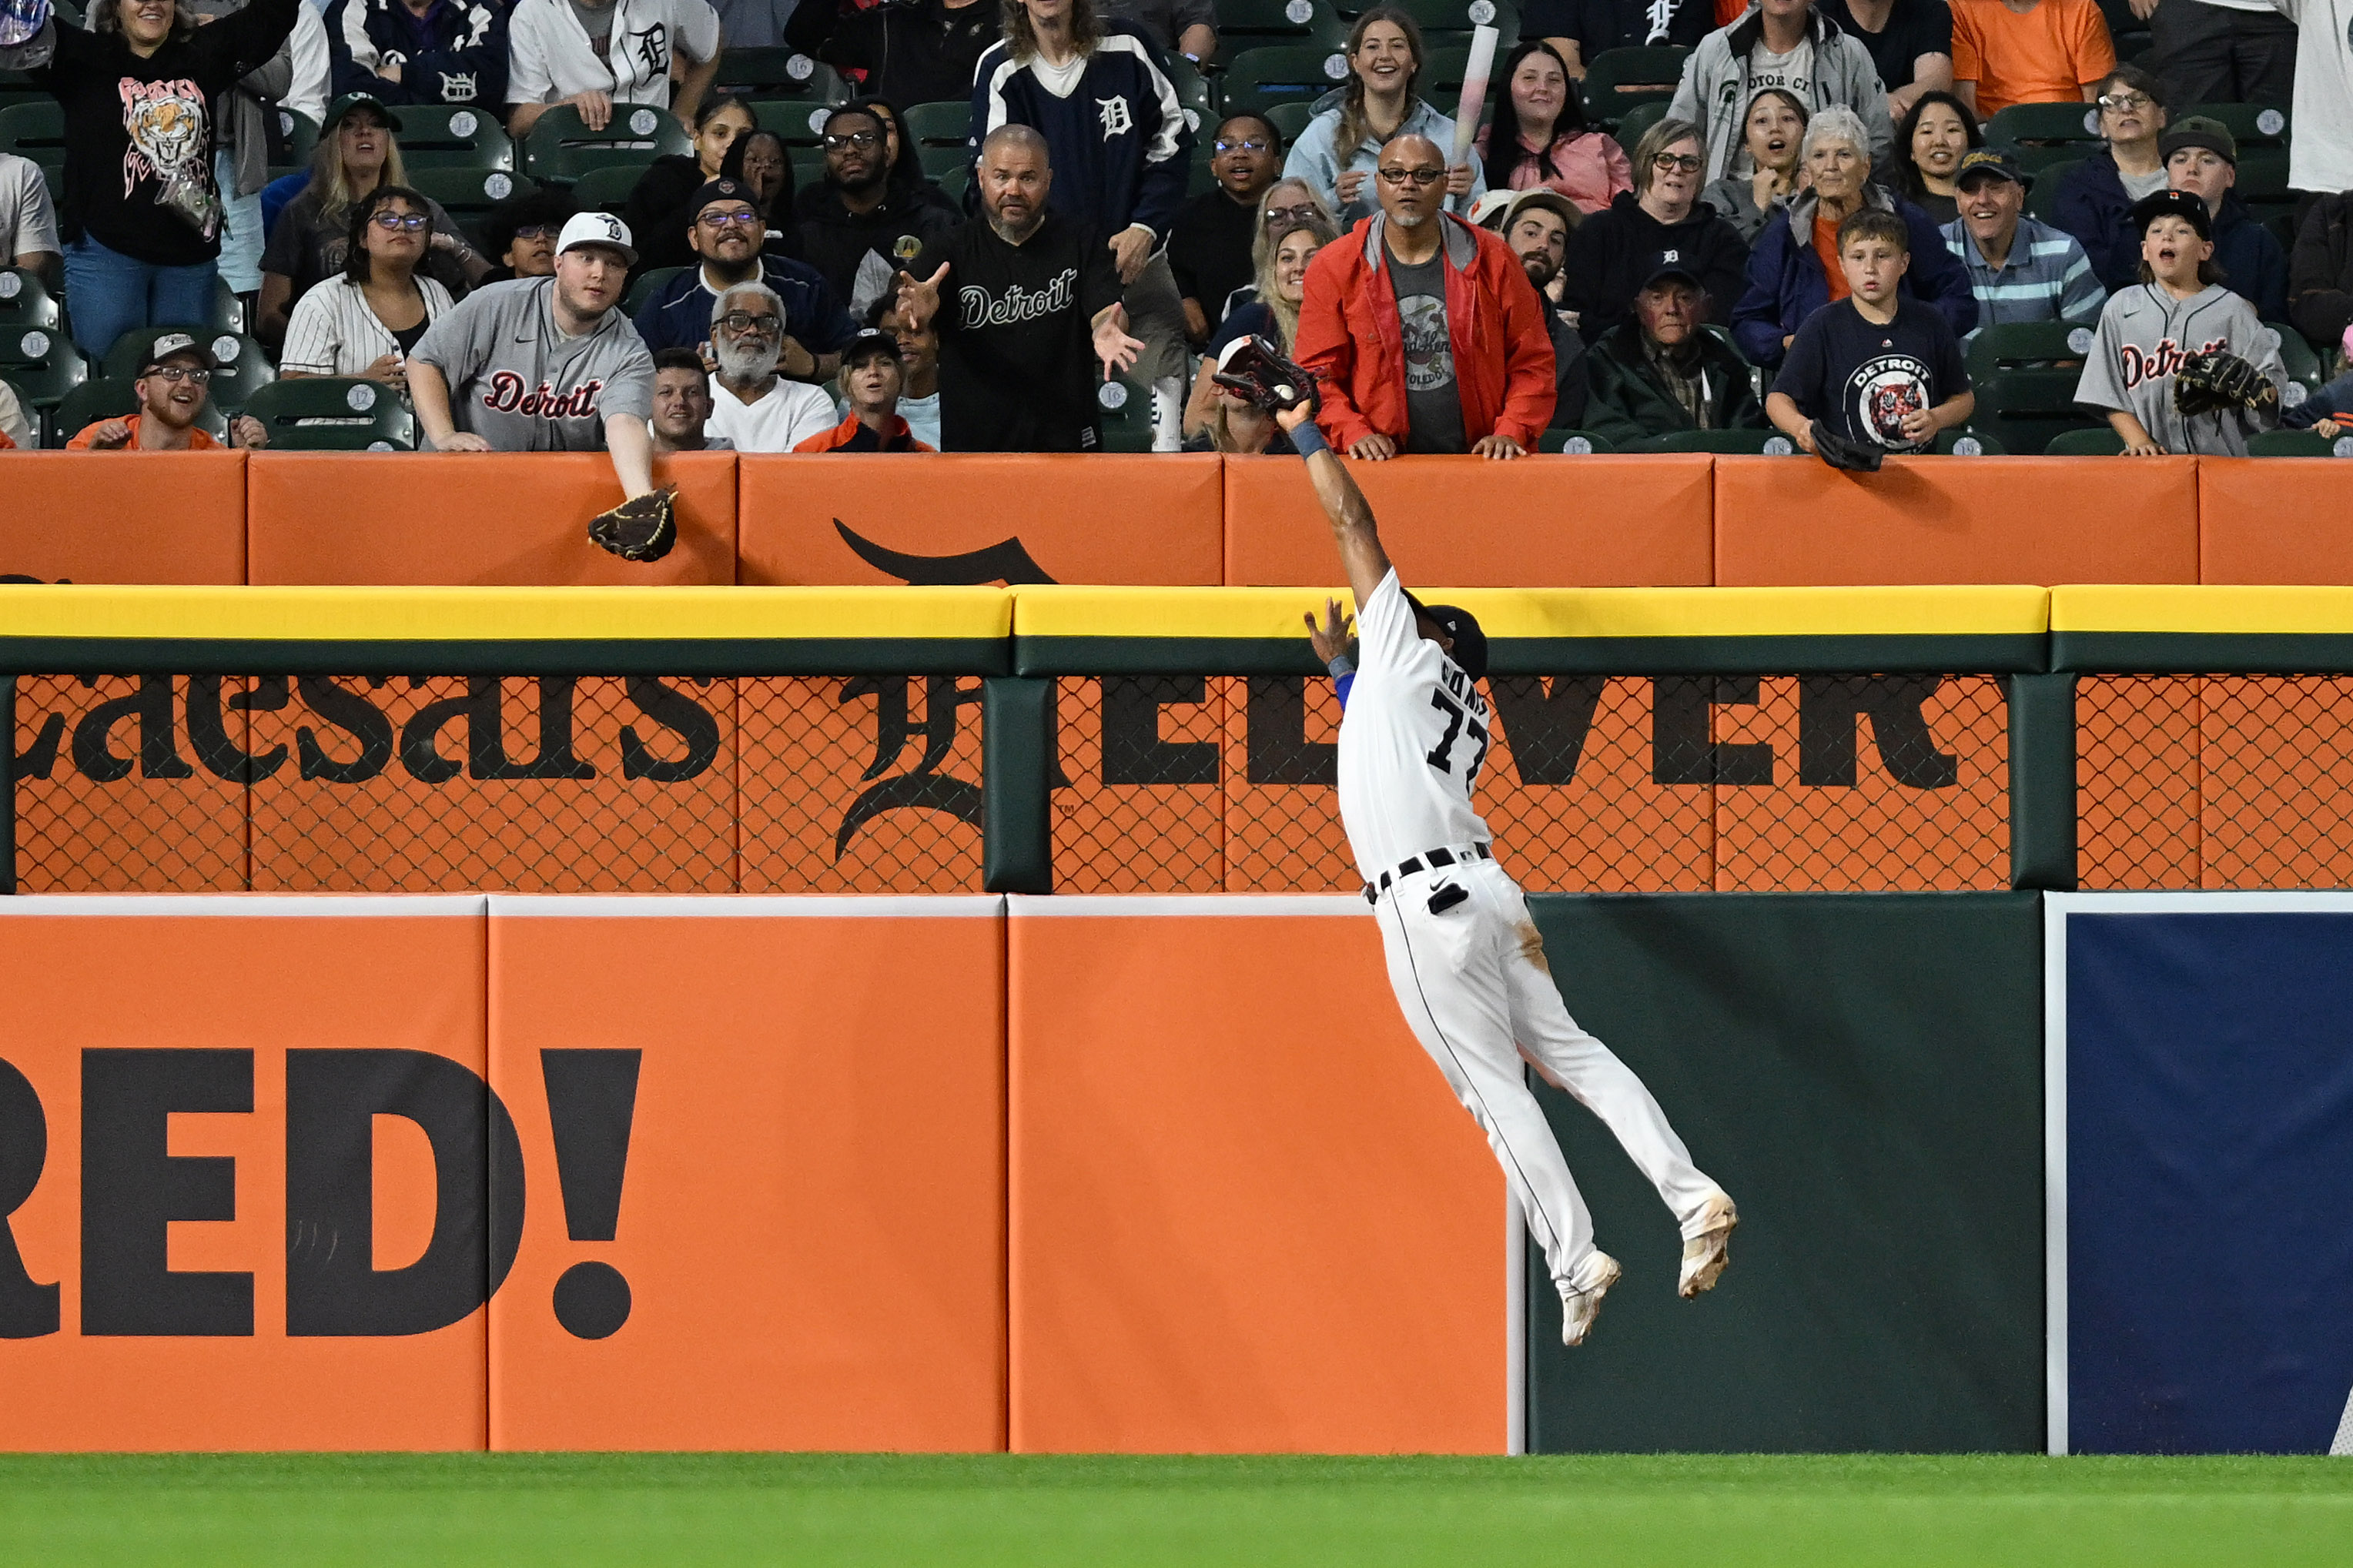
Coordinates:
x,y
1120,149
443,51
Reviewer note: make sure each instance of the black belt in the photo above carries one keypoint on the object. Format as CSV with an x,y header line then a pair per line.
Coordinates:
x,y
1428,861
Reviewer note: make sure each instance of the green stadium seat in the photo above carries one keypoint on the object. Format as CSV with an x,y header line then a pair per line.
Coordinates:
x,y
2297,444
2043,196
302,134
1448,19
35,129
467,194
1126,405
108,398
42,364
1979,443
2250,124
243,364
648,283
25,301
440,136
947,124
939,163
2303,365
561,149
1258,24
2025,385
800,122
1617,80
779,73
607,189
2100,442
1261,79
1729,442
1578,443
1442,71
1639,119
1291,118
331,414
2263,176
1194,93
2042,134
228,310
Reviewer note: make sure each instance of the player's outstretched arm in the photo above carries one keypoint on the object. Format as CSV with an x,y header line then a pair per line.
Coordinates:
x,y
1352,518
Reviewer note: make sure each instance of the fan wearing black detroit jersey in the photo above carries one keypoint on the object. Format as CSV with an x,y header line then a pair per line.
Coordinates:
x,y
1464,956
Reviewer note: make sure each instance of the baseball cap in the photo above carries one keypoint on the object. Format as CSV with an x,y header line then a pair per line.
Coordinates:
x,y
1992,163
175,345
872,342
1552,201
596,228
1487,211
722,190
1469,642
2172,203
350,101
1666,270
2200,131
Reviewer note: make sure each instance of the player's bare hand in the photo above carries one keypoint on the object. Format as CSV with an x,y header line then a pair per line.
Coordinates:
x,y
1349,184
1374,448
111,435
462,441
1292,417
1329,640
1130,249
1502,448
1457,180
248,432
596,107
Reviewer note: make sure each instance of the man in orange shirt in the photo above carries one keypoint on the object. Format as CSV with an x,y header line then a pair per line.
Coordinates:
x,y
2029,52
173,386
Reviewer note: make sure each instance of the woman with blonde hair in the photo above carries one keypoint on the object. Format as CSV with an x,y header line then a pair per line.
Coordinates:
x,y
1337,152
1293,227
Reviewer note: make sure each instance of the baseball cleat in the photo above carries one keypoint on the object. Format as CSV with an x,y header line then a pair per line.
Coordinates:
x,y
1579,1307
1705,1254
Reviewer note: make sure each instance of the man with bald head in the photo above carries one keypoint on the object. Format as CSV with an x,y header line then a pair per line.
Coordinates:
x,y
1425,332
1027,305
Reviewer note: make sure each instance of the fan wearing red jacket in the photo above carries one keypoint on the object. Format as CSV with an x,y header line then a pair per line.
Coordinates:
x,y
1423,332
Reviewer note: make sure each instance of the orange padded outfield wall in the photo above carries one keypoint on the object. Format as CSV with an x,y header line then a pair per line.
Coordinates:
x,y
1535,522
121,517
1781,523
1246,1214
2273,520
969,518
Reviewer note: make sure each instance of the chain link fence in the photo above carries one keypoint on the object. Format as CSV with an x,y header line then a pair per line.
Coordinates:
x,y
2214,780
318,783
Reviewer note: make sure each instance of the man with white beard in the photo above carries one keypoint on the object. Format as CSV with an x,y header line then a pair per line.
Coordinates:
x,y
750,404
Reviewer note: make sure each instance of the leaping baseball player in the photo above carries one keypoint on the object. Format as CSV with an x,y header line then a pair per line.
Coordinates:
x,y
1464,957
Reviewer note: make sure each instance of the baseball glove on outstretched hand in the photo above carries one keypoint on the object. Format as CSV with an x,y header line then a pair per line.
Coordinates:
x,y
641,529
2209,382
1839,452
1250,368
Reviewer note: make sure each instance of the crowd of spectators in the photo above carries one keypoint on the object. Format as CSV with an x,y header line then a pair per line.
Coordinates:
x,y
1807,236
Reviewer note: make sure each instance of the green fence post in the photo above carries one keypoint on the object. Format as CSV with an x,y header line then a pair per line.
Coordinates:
x,y
1016,763
2043,781
9,784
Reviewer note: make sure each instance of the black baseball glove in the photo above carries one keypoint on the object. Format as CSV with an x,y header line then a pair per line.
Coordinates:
x,y
641,529
2211,382
1263,378
1839,452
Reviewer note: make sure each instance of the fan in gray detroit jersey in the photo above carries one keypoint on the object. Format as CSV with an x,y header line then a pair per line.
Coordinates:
x,y
1464,957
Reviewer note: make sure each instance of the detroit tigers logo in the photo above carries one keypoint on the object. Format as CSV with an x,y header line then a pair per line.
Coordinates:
x,y
507,395
653,48
457,87
2164,360
1116,121
1661,15
984,308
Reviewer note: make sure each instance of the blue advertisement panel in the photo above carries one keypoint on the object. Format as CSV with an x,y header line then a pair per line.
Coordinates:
x,y
2200,1131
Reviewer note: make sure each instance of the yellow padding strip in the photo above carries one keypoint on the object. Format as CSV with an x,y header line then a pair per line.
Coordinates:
x,y
1073,612
2218,608
446,614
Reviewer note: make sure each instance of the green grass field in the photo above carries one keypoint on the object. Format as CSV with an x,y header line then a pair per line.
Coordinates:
x,y
587,1510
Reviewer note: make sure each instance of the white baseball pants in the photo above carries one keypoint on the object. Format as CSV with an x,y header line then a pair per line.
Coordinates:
x,y
1476,990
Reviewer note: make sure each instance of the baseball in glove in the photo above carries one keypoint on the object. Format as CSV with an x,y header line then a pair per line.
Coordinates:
x,y
2209,382
641,529
1839,452
1250,368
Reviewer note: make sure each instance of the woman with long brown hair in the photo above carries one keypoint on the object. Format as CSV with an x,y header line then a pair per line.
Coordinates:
x,y
1337,151
1293,227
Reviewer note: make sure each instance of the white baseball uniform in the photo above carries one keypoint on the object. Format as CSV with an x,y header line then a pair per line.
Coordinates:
x,y
1470,974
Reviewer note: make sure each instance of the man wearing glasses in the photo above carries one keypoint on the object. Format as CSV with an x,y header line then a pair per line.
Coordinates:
x,y
727,233
1209,244
1423,332
750,404
859,228
173,386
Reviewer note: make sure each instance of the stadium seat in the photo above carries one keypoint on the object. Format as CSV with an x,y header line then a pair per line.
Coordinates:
x,y
1451,20
1291,118
108,398
2297,444
466,193
436,136
947,124
607,189
2100,442
1618,80
1578,443
2303,365
1983,443
799,121
1442,71
2041,134
1731,443
42,364
301,134
2250,124
331,414
649,282
1258,24
35,129
2262,177
1127,415
2026,390
242,364
1261,79
938,162
1198,99
779,73
561,149
2043,197
25,301
228,310
1637,120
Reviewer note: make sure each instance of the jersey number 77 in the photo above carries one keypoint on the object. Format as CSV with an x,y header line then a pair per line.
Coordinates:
x,y
1442,755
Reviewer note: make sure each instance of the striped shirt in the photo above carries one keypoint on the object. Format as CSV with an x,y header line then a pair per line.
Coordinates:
x,y
333,332
2046,277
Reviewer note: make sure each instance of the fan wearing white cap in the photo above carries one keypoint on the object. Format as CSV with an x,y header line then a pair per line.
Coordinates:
x,y
544,364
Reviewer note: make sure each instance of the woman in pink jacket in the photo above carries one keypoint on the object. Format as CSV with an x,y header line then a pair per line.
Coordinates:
x,y
1553,146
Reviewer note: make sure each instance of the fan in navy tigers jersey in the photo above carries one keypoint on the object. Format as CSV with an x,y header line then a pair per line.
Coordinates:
x,y
1464,955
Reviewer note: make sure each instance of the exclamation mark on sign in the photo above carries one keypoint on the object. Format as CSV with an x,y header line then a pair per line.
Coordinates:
x,y
592,1098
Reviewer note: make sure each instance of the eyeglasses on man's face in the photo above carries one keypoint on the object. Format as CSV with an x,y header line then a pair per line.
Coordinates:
x,y
1665,162
2125,103
538,231
1423,177
741,321
730,220
1302,212
194,375
412,222
842,142
1246,145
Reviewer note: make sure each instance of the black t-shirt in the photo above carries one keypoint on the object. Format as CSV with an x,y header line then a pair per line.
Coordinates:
x,y
1914,27
1600,25
1018,370
1210,249
913,51
139,133
1860,379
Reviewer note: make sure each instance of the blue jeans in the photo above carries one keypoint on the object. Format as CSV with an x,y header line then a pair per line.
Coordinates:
x,y
109,293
